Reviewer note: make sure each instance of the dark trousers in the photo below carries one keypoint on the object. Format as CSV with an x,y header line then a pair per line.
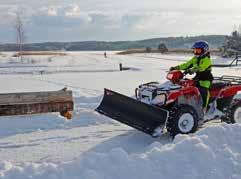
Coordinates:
x,y
205,95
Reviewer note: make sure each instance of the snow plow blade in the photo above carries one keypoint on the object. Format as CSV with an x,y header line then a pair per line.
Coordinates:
x,y
131,112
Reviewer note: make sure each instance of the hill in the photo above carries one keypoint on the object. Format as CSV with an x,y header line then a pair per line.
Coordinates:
x,y
171,42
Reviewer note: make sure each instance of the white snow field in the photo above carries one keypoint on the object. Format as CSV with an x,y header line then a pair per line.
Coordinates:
x,y
92,146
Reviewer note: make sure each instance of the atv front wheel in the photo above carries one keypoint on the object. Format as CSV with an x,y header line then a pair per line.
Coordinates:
x,y
183,119
235,114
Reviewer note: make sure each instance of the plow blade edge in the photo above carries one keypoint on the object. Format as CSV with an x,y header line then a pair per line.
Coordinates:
x,y
131,112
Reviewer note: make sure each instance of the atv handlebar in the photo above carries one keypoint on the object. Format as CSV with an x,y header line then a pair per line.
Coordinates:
x,y
176,75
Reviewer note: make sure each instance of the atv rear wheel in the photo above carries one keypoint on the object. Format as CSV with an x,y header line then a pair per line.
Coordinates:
x,y
183,119
235,114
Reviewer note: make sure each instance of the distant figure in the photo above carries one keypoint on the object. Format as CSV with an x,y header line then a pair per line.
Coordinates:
x,y
105,55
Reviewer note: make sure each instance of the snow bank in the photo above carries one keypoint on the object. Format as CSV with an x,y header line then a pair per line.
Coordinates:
x,y
214,152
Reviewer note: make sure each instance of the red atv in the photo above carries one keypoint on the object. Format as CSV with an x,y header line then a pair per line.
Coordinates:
x,y
175,105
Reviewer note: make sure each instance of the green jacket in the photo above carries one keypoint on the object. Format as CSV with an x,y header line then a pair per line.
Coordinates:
x,y
202,67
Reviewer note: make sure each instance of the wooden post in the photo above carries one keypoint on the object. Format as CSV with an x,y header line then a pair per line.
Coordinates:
x,y
120,65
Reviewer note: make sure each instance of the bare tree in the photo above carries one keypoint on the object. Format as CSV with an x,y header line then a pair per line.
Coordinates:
x,y
19,32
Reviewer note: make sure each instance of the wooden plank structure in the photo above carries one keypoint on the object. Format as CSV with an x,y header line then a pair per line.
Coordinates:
x,y
37,102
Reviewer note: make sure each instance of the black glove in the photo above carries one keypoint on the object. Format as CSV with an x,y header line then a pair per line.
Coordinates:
x,y
190,71
173,68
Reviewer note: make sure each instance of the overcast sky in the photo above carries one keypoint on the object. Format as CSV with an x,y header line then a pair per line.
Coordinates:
x,y
111,20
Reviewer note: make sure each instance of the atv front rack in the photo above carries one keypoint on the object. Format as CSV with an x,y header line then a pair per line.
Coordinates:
x,y
233,80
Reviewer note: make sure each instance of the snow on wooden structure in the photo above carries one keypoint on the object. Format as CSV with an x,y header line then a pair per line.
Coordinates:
x,y
37,102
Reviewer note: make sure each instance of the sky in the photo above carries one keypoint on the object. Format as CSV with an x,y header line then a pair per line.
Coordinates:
x,y
113,20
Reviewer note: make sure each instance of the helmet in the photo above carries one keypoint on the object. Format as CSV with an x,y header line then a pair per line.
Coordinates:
x,y
200,48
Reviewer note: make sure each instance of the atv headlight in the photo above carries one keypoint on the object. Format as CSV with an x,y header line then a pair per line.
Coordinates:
x,y
159,99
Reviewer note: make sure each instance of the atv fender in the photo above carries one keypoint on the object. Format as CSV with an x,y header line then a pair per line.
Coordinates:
x,y
230,91
228,97
189,96
193,100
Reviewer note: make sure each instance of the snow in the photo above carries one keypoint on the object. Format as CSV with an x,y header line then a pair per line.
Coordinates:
x,y
92,146
211,153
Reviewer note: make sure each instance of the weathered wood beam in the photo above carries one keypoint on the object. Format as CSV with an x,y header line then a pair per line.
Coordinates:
x,y
36,102
35,97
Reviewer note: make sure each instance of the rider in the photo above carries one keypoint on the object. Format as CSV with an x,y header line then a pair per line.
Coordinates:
x,y
201,65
